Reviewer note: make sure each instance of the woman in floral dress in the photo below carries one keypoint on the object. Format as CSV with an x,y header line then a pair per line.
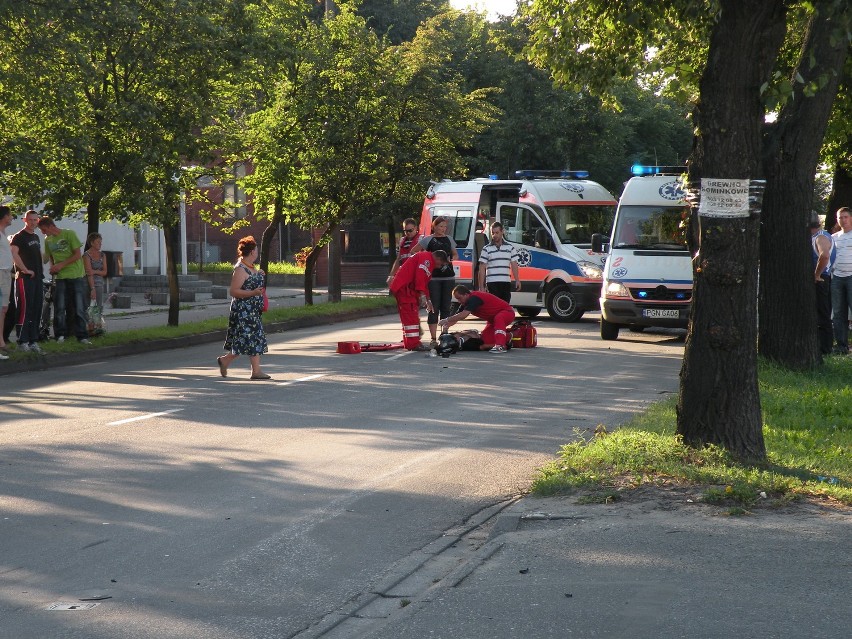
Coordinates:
x,y
245,329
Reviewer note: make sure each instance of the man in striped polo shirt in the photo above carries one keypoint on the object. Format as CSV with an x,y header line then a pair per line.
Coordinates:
x,y
841,281
498,264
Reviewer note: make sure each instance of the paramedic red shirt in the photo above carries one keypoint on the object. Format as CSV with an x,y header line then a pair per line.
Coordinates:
x,y
485,305
413,276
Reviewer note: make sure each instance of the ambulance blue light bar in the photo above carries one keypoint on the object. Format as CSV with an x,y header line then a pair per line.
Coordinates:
x,y
529,174
641,169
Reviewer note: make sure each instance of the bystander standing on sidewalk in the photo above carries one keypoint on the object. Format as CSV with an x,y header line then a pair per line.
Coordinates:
x,y
63,249
841,281
6,265
823,256
96,268
29,288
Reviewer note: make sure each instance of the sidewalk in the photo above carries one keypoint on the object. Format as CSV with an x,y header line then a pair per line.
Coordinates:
x,y
143,314
658,565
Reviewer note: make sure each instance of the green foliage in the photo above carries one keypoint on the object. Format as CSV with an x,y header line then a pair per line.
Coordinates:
x,y
109,97
808,434
355,127
274,268
592,44
115,338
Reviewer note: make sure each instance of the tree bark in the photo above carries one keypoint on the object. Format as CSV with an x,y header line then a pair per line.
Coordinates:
x,y
391,240
311,262
841,189
335,256
93,215
171,235
719,400
270,231
787,305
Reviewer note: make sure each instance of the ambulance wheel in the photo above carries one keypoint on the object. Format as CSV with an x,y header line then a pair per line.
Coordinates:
x,y
609,331
562,305
528,311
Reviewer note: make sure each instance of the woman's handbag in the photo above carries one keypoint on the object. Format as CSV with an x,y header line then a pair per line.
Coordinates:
x,y
265,303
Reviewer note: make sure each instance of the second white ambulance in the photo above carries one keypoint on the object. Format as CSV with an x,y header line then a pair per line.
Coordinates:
x,y
647,280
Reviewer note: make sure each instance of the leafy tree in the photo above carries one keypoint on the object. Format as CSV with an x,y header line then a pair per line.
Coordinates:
x,y
791,149
589,43
398,20
112,98
838,147
354,125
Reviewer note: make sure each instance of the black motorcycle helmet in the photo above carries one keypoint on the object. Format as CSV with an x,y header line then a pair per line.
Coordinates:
x,y
447,345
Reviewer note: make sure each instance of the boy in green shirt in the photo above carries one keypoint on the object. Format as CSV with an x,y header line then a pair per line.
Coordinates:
x,y
62,248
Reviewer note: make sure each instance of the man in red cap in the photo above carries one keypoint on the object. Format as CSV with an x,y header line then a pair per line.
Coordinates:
x,y
410,287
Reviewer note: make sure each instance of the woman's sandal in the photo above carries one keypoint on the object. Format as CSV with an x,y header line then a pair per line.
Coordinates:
x,y
261,376
223,369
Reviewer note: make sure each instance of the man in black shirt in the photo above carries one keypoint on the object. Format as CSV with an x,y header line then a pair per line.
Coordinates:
x,y
29,288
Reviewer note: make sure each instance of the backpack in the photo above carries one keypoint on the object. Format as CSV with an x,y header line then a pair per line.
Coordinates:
x,y
523,334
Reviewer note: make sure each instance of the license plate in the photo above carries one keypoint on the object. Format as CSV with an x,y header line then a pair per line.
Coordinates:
x,y
670,313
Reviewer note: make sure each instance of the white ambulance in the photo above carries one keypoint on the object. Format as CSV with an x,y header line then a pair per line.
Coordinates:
x,y
648,275
549,215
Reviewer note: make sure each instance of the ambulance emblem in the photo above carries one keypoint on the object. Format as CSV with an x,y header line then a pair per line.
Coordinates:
x,y
672,191
574,187
619,272
524,257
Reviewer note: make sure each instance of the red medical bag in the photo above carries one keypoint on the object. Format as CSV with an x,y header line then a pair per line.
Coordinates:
x,y
523,334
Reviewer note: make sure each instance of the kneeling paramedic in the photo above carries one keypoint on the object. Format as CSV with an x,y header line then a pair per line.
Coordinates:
x,y
410,287
497,314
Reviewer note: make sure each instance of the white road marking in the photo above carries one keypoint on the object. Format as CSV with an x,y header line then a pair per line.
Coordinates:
x,y
141,417
398,355
302,379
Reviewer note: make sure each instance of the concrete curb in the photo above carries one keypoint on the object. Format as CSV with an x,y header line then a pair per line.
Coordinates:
x,y
96,354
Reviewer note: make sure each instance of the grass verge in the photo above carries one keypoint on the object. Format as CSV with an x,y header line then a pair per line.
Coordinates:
x,y
274,268
325,309
807,431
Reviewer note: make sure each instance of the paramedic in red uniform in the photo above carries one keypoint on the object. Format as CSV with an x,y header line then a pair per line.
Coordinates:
x,y
497,313
410,287
410,237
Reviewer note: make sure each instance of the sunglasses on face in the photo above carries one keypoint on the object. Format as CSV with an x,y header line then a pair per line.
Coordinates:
x,y
410,230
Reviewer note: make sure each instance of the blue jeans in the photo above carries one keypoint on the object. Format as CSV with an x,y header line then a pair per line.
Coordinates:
x,y
841,298
71,302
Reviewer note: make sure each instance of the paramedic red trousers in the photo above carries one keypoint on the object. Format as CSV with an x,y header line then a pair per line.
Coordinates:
x,y
495,329
408,307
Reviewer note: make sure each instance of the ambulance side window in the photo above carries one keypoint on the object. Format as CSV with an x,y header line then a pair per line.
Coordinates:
x,y
460,223
513,224
461,231
521,226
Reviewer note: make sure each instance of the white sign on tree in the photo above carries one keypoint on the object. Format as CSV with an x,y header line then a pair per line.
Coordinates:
x,y
724,197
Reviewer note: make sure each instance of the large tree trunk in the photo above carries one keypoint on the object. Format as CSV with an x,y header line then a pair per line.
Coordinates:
x,y
719,401
311,262
391,240
841,189
270,231
171,235
93,215
787,305
335,257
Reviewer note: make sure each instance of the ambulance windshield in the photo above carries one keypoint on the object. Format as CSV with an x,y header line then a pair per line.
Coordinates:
x,y
575,224
651,227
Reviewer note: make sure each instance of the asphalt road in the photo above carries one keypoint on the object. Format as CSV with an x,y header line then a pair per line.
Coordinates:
x,y
185,505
